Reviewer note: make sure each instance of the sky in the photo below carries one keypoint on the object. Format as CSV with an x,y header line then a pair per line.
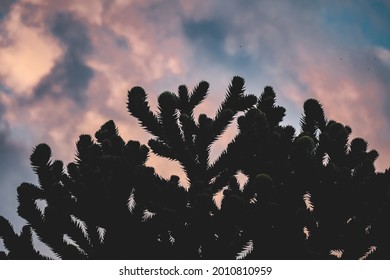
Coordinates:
x,y
66,67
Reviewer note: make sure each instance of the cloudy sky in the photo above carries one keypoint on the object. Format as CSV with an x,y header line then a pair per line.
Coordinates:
x,y
66,66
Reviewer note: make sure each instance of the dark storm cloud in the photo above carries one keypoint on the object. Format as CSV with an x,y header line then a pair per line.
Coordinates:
x,y
71,75
208,37
5,7
121,42
4,89
207,33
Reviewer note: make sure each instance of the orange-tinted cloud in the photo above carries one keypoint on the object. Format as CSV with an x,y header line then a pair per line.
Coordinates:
x,y
27,53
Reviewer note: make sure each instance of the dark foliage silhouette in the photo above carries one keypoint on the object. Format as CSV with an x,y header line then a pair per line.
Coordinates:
x,y
308,195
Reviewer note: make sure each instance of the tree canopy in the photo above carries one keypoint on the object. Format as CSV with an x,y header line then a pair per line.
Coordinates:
x,y
312,194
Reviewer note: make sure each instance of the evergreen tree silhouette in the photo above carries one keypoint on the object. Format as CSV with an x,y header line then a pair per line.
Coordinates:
x,y
312,195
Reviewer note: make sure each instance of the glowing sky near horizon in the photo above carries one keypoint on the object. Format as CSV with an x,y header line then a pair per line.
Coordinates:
x,y
66,66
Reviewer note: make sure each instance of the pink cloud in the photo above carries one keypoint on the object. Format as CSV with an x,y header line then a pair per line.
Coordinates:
x,y
116,70
27,53
350,95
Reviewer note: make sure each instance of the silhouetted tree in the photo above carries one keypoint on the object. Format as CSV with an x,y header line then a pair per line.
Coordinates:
x,y
315,195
